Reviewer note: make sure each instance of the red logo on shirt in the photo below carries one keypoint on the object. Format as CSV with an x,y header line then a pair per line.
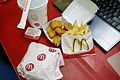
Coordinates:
x,y
52,50
29,67
41,57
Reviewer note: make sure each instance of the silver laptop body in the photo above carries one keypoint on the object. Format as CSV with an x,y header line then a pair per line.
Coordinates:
x,y
105,35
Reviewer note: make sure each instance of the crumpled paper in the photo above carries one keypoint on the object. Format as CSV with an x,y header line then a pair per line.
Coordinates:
x,y
41,63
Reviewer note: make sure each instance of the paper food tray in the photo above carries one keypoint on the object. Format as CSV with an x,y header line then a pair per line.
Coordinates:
x,y
48,24
80,10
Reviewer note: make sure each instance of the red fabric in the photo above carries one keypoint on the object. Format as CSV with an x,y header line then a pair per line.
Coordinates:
x,y
15,44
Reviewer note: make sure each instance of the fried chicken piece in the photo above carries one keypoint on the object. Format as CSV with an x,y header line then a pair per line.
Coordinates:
x,y
56,23
52,34
49,29
60,31
56,39
67,26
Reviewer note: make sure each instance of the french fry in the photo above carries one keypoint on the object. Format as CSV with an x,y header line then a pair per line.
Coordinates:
x,y
75,26
86,28
82,30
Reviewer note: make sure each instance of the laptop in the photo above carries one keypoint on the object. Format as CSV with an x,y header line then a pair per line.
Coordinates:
x,y
105,26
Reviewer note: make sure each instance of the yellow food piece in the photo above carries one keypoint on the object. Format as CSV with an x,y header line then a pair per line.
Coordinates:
x,y
49,29
86,28
75,26
56,39
56,23
82,30
52,34
60,31
67,26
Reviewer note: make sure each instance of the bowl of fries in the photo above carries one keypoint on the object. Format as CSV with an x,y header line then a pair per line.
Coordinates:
x,y
77,41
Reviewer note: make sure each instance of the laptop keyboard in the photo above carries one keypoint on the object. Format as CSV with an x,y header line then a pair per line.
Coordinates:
x,y
109,10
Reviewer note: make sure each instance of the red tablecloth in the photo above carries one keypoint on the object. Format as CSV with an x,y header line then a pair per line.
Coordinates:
x,y
15,44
